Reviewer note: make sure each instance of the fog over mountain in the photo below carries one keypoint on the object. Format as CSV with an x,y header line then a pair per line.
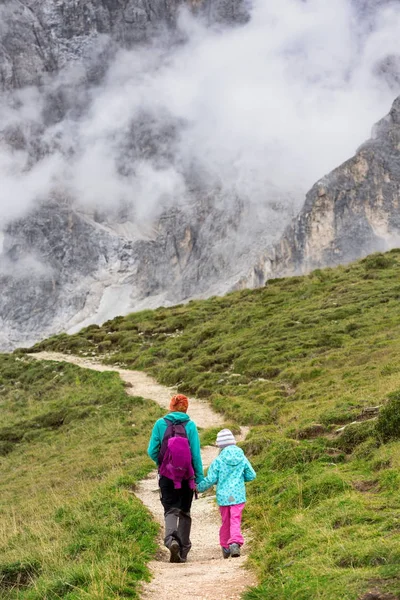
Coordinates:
x,y
150,150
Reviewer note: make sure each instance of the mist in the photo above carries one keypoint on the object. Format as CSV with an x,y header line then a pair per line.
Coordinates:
x,y
258,112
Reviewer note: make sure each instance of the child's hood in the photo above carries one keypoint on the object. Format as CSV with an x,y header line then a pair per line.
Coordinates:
x,y
232,455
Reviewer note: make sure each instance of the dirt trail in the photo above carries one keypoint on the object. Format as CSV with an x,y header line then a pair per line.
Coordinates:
x,y
206,575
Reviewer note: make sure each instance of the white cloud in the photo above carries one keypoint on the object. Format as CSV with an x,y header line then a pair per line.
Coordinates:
x,y
264,109
21,186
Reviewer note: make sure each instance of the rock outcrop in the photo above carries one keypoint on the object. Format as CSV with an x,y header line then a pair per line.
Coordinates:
x,y
62,269
65,264
348,214
40,37
62,264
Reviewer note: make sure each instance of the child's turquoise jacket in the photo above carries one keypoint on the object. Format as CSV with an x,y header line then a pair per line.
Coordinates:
x,y
229,472
157,435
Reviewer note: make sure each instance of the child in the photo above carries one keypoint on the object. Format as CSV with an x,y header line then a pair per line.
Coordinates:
x,y
229,471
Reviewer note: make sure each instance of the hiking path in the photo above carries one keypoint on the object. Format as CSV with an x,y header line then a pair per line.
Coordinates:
x,y
206,575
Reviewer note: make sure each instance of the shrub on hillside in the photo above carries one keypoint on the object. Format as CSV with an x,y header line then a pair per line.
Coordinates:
x,y
366,449
258,440
341,413
287,454
355,434
328,340
388,425
5,447
18,574
377,261
389,480
325,485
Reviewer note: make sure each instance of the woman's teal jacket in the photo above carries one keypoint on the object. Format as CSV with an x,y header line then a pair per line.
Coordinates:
x,y
157,435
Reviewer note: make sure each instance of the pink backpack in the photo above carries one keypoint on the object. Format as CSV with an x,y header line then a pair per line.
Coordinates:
x,y
175,457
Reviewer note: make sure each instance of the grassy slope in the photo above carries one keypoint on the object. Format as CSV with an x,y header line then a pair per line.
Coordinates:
x,y
301,352
72,445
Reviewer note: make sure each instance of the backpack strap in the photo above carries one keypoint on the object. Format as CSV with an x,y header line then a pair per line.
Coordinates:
x,y
172,424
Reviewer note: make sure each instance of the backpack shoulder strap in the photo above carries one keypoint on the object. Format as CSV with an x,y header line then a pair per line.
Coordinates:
x,y
168,433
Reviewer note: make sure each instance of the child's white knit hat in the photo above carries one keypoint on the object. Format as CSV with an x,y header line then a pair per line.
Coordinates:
x,y
225,438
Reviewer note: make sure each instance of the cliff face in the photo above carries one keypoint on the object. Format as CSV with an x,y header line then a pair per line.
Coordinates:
x,y
67,262
41,36
62,269
349,213
63,264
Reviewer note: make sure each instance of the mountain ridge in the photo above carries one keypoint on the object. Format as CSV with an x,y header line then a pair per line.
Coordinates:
x,y
311,364
349,213
131,219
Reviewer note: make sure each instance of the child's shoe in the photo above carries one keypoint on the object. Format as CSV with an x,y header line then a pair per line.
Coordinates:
x,y
234,550
225,552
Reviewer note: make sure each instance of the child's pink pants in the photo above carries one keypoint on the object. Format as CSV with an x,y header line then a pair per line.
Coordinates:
x,y
230,532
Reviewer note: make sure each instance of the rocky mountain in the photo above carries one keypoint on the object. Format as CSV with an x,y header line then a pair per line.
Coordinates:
x,y
62,269
76,245
353,211
40,37
63,264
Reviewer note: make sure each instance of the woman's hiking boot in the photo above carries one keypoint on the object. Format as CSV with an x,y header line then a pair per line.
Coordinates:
x,y
184,554
234,549
175,550
225,552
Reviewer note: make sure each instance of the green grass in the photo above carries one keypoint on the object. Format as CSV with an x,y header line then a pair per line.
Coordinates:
x,y
295,360
73,444
299,349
